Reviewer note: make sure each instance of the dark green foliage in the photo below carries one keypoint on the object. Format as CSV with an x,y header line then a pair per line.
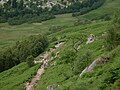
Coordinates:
x,y
30,19
81,62
21,5
82,22
116,85
30,61
15,21
87,6
2,19
68,57
112,39
34,45
53,39
15,12
14,3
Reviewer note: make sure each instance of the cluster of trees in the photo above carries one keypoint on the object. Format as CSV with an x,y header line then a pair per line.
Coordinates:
x,y
15,12
31,47
87,6
29,18
77,6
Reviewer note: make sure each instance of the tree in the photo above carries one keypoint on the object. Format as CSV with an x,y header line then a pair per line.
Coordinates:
x,y
24,50
30,61
14,3
1,62
21,5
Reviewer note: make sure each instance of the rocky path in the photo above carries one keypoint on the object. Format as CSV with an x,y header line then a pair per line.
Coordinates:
x,y
31,85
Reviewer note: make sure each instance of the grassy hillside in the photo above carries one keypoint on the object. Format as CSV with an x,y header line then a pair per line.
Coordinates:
x,y
10,34
15,78
65,78
61,73
109,7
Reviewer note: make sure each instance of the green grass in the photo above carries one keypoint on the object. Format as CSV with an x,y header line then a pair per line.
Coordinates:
x,y
109,7
15,78
56,74
52,74
10,34
101,77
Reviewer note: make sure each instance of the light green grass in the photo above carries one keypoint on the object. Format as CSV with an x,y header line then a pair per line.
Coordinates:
x,y
109,7
63,76
15,78
10,34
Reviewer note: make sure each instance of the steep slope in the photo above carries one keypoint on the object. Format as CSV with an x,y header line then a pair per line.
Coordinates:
x,y
109,8
60,69
15,78
61,73
103,77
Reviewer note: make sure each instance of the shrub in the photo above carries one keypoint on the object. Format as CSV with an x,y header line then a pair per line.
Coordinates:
x,y
116,85
3,19
16,20
34,45
81,62
68,56
30,61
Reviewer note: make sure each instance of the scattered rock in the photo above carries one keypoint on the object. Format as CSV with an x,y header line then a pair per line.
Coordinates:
x,y
37,62
52,87
90,67
90,39
78,47
105,59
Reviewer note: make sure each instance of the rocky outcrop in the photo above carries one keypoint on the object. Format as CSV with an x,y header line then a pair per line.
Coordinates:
x,y
90,39
52,87
90,67
101,60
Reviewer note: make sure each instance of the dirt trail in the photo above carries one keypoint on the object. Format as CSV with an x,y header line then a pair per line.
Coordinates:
x,y
31,85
